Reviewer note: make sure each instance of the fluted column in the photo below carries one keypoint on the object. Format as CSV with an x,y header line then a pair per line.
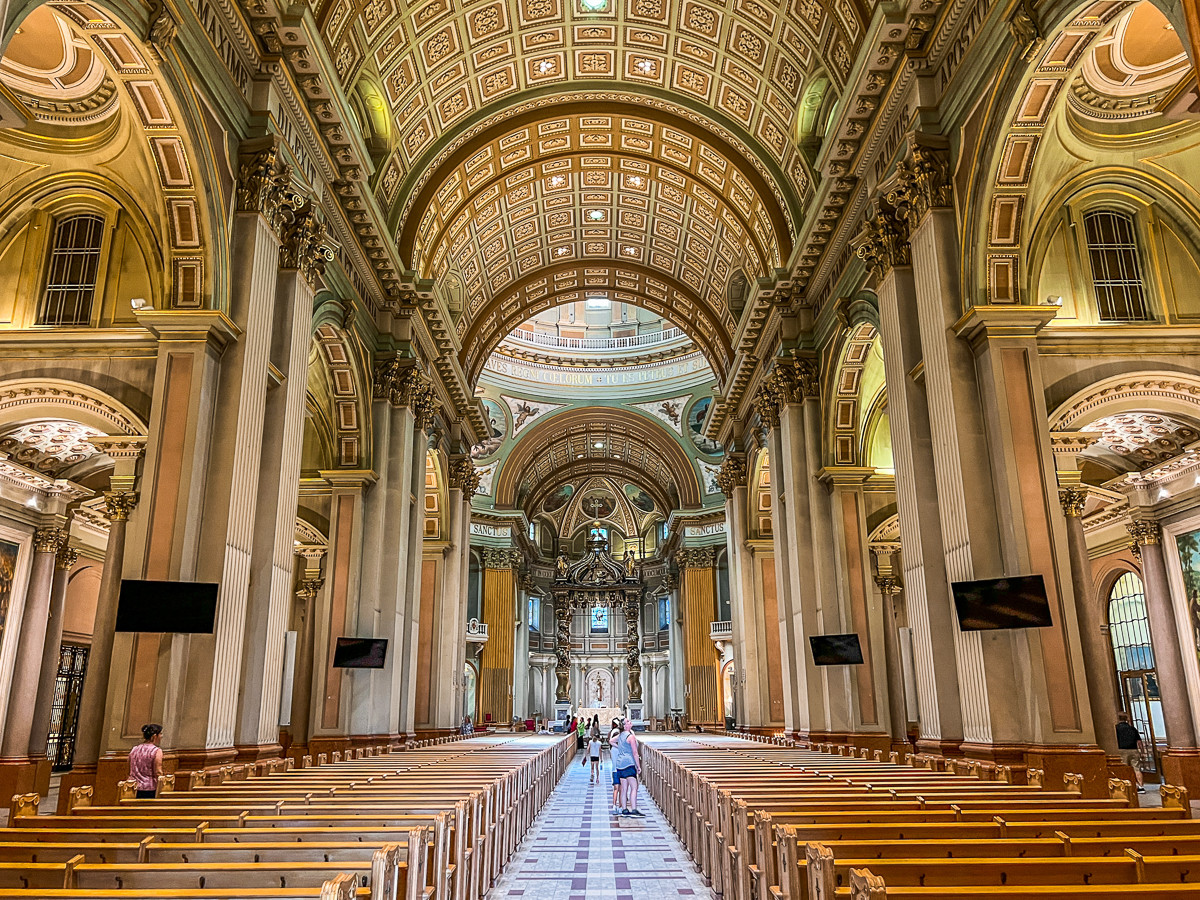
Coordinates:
x,y
499,608
27,668
92,703
697,592
450,613
64,561
930,609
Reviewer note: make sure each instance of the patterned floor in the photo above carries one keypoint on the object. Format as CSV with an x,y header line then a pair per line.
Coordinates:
x,y
577,850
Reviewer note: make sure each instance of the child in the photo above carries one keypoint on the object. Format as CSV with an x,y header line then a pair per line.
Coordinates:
x,y
594,753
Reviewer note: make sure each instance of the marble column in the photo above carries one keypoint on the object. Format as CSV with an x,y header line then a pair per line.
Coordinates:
x,y
499,608
450,613
308,588
409,605
119,504
27,668
889,590
1103,692
64,561
1164,634
677,689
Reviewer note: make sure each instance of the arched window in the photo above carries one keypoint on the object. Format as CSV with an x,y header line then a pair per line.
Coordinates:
x,y
1116,266
1129,633
71,272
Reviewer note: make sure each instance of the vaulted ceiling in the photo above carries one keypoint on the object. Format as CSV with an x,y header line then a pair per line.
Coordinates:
x,y
539,147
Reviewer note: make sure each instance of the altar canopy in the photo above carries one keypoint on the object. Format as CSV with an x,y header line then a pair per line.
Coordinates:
x,y
597,580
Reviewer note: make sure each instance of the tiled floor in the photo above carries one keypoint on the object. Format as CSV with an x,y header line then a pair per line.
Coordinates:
x,y
576,850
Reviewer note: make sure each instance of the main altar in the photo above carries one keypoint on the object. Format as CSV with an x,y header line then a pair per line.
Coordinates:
x,y
597,580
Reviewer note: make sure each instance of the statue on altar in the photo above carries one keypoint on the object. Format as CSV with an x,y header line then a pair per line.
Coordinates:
x,y
630,564
561,566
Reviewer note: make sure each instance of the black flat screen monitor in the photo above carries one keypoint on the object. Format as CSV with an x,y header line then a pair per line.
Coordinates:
x,y
836,650
167,607
1016,602
359,653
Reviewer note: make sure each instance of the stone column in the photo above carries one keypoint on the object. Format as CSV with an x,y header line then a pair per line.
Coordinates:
x,y
1181,762
18,771
308,588
499,607
752,701
64,561
697,592
1103,692
424,407
302,262
119,504
884,246
450,614
889,590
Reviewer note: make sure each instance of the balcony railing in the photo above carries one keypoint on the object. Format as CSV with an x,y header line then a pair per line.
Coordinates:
x,y
636,341
477,631
721,631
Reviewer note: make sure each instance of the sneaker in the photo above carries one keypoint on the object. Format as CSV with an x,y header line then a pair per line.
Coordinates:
x,y
616,811
638,813
1141,790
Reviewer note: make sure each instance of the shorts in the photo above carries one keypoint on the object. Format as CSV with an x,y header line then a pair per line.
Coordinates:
x,y
616,778
627,772
1130,757
595,759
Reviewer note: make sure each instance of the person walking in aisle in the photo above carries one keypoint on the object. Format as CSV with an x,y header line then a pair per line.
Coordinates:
x,y
1130,747
627,766
594,754
145,762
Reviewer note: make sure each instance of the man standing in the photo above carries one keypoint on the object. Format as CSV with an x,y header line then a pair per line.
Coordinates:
x,y
1130,747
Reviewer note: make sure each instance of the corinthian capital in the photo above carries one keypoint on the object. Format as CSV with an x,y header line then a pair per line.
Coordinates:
x,y
923,183
119,504
503,558
465,476
49,540
401,383
883,242
695,558
1072,500
766,404
1144,531
264,184
305,242
731,475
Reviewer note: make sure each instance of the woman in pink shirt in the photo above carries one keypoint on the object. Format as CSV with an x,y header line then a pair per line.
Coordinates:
x,y
145,762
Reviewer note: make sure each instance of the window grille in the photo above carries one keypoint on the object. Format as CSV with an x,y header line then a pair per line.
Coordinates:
x,y
1129,625
1116,266
71,274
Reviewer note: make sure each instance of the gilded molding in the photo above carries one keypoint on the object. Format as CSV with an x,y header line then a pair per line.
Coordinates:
x,y
309,587
695,558
1144,531
883,242
888,585
119,504
1072,499
501,558
401,383
731,475
766,404
923,184
66,557
49,540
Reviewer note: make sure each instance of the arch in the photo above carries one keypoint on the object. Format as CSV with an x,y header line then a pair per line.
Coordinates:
x,y
161,105
1162,391
561,437
29,398
761,494
348,430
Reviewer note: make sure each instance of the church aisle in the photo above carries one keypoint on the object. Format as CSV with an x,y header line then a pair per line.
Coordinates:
x,y
577,849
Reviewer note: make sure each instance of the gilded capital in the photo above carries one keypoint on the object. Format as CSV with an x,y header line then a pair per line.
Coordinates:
x,y
309,587
66,557
888,584
501,558
923,183
119,504
465,476
695,558
731,475
264,185
49,540
766,404
1073,499
1144,531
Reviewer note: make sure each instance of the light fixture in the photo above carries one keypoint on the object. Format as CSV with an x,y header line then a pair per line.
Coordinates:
x,y
635,180
645,66
561,251
630,251
546,66
558,181
596,214
599,445
594,5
